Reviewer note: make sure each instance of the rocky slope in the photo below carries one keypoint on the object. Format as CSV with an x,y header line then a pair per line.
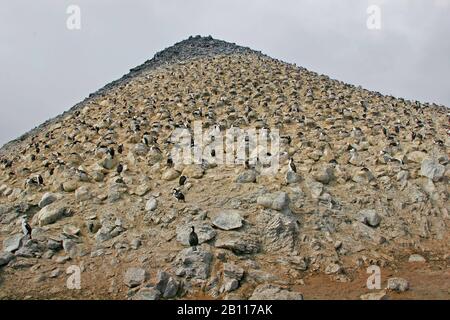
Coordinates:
x,y
371,185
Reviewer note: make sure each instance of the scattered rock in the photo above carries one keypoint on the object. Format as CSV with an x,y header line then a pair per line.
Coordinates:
x,y
370,217
193,171
272,292
151,204
397,284
5,258
134,277
147,294
13,243
51,213
47,199
432,169
277,201
228,220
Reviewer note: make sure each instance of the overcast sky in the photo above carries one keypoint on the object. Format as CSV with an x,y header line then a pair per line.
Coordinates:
x,y
45,68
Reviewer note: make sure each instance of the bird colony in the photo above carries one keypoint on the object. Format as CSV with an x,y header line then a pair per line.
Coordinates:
x,y
363,180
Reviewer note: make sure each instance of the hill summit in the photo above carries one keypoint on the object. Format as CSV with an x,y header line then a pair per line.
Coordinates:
x,y
284,175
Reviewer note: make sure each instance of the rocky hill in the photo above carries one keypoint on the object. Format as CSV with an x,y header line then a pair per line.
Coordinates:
x,y
96,185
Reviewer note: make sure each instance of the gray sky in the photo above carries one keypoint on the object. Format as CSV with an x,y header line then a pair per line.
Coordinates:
x,y
47,68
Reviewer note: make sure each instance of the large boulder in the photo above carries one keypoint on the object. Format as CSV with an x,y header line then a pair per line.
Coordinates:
x,y
47,199
170,174
12,243
228,220
5,258
272,292
50,214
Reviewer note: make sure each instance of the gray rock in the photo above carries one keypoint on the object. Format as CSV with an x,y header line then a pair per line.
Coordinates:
x,y
315,188
162,278
230,285
432,169
239,243
292,177
151,204
30,248
272,292
248,176
193,264
397,284
5,258
148,294
47,199
171,288
170,174
50,214
12,243
204,232
277,201
228,220
333,268
134,277
370,217
280,232
135,244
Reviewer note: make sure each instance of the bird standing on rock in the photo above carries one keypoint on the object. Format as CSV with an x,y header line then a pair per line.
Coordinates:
x,y
26,229
119,168
193,239
182,180
292,166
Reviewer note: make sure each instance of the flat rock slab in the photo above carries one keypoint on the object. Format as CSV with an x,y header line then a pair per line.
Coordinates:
x,y
228,220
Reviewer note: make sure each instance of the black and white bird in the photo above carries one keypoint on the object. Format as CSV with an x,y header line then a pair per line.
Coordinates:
x,y
193,239
26,229
178,195
40,180
292,166
182,180
120,149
